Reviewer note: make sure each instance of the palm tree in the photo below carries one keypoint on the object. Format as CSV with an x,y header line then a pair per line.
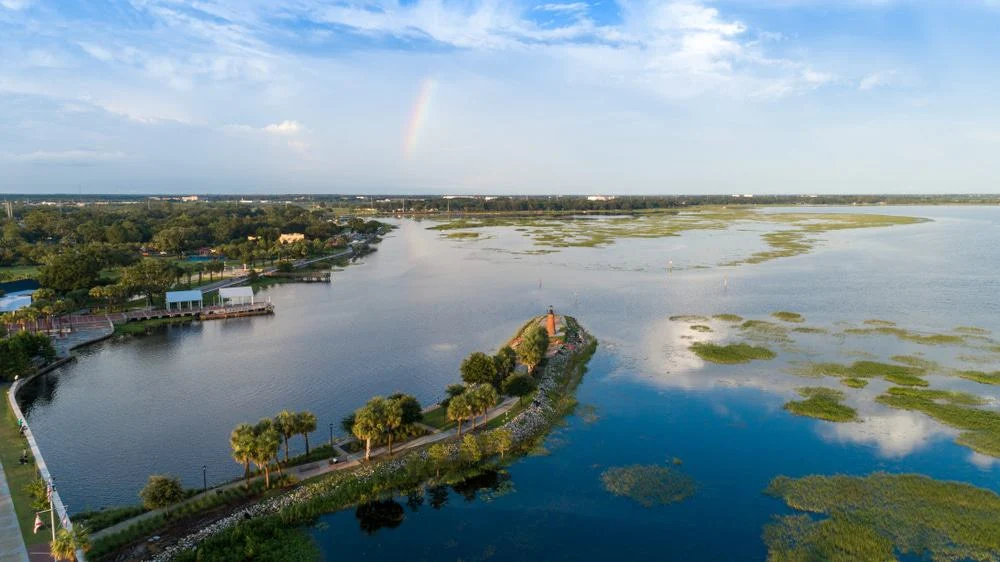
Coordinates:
x,y
285,422
266,443
242,442
368,423
485,398
305,424
458,409
66,543
392,419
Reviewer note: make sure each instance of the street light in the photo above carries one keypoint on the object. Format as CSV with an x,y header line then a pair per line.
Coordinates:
x,y
204,478
331,438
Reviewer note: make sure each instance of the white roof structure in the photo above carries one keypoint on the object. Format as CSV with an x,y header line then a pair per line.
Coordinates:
x,y
184,296
239,294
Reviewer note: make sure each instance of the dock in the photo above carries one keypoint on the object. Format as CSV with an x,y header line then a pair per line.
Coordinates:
x,y
205,313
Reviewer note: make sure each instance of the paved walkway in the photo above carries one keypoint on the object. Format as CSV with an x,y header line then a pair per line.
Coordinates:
x,y
318,468
11,544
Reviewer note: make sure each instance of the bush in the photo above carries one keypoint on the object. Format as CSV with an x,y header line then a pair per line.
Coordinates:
x,y
161,491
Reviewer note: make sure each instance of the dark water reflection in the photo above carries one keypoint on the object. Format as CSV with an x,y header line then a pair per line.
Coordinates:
x,y
403,320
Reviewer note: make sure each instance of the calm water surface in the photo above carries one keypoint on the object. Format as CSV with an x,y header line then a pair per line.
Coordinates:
x,y
404,319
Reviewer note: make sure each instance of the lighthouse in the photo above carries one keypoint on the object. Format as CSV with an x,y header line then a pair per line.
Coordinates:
x,y
550,322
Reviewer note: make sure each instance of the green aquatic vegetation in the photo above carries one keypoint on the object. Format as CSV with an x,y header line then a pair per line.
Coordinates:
x,y
906,380
688,318
461,235
908,335
649,485
732,353
882,323
734,318
977,359
795,237
762,330
897,374
980,376
854,382
809,330
822,403
701,328
981,428
917,362
788,316
972,331
876,516
800,538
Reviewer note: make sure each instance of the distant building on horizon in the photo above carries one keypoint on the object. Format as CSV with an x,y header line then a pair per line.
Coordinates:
x,y
601,198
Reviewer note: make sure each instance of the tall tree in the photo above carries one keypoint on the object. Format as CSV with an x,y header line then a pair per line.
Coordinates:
x,y
481,398
534,344
459,409
66,543
519,385
479,368
285,423
241,441
505,361
501,440
368,423
305,423
392,420
266,443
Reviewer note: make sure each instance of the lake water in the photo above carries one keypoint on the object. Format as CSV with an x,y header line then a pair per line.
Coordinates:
x,y
404,318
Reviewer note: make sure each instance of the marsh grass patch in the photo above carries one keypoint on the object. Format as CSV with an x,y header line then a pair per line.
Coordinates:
x,y
788,316
649,485
875,517
981,428
981,377
732,318
822,403
731,354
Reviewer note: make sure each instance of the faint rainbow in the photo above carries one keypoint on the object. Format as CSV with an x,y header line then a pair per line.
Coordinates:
x,y
418,115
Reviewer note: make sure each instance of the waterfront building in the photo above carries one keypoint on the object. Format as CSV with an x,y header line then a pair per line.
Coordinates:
x,y
177,299
232,296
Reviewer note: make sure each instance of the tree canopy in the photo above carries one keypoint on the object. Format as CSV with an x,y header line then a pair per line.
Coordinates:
x,y
534,344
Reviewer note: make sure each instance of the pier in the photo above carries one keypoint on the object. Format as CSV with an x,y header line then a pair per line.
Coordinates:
x,y
205,313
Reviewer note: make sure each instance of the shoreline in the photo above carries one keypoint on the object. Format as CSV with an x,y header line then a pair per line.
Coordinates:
x,y
327,493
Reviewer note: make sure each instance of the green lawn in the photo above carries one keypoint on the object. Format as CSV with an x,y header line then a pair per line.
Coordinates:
x,y
15,272
438,418
11,445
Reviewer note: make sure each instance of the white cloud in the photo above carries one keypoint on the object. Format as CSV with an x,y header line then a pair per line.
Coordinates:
x,y
879,79
284,128
895,434
569,7
16,5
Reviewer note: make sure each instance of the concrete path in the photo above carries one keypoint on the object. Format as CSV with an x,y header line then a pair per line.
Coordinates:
x,y
12,547
318,468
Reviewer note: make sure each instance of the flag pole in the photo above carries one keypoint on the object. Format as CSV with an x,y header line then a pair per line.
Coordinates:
x,y
52,512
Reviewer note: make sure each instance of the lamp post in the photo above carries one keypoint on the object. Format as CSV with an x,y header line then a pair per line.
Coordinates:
x,y
204,478
331,438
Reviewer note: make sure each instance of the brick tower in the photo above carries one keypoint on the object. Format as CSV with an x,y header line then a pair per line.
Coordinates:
x,y
550,323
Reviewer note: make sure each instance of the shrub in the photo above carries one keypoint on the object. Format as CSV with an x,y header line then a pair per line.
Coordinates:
x,y
161,491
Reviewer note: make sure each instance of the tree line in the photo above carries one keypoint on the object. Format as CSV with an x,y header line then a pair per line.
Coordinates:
x,y
260,443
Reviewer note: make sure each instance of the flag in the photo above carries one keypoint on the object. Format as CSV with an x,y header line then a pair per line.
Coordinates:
x,y
38,523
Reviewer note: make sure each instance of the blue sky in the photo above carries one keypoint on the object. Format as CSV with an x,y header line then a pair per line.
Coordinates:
x,y
497,96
